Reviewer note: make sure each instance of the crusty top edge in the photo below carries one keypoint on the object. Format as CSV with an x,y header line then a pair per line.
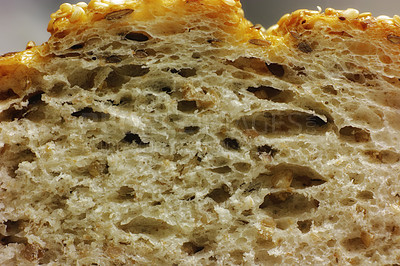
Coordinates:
x,y
331,16
69,15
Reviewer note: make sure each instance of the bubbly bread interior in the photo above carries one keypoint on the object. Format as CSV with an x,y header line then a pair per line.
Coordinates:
x,y
168,141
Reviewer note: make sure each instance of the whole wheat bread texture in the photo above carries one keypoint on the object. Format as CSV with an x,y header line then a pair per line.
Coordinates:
x,y
172,132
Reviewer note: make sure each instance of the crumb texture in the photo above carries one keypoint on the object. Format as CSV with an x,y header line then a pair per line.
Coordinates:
x,y
177,133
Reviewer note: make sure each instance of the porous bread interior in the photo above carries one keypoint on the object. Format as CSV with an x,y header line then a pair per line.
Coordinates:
x,y
187,148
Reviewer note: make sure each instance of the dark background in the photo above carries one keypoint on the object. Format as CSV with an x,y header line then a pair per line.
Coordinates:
x,y
25,20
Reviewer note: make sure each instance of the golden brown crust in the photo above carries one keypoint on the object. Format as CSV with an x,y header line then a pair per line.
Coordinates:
x,y
363,34
70,16
303,19
16,67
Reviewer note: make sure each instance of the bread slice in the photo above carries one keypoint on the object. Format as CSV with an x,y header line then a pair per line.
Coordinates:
x,y
175,132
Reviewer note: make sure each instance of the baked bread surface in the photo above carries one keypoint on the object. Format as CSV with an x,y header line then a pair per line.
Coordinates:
x,y
172,132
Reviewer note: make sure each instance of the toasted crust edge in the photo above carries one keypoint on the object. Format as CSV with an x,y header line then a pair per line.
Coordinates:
x,y
21,65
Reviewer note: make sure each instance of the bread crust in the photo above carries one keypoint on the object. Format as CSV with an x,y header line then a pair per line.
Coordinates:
x,y
228,15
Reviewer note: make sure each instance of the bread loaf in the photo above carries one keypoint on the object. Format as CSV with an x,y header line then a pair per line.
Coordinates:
x,y
175,132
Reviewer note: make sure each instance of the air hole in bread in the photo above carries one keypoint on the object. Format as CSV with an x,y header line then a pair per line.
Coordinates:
x,y
113,59
189,198
220,194
329,89
300,71
242,222
272,94
183,72
131,137
281,122
35,98
61,34
36,109
305,47
283,224
98,168
250,64
146,52
167,90
212,258
262,180
386,156
138,36
348,201
156,203
222,170
214,41
57,89
83,78
303,181
365,195
187,106
282,204
196,55
90,114
242,167
8,94
118,14
115,79
77,46
125,100
148,226
13,155
5,240
174,117
276,69
103,145
132,70
356,178
248,212
14,227
266,150
264,92
295,176
58,202
304,226
353,244
191,248
187,72
219,72
191,130
357,78
110,46
284,176
32,111
354,134
231,144
79,189
331,243
243,75
70,55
